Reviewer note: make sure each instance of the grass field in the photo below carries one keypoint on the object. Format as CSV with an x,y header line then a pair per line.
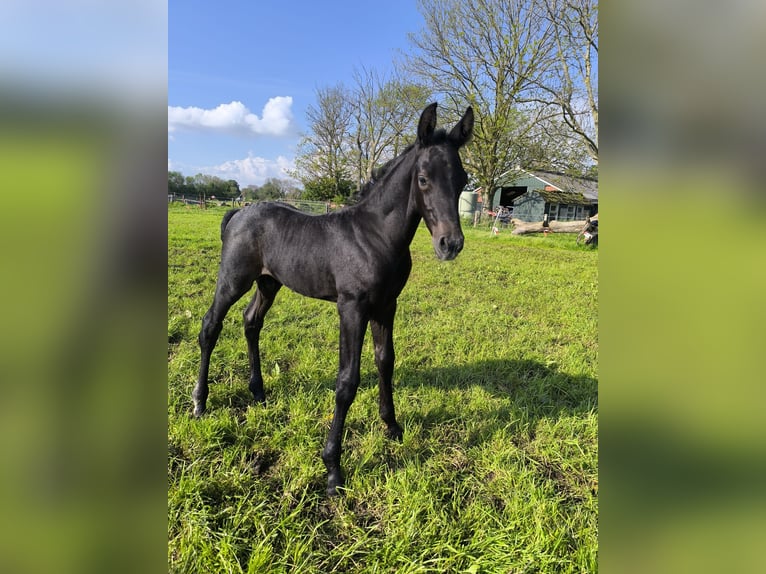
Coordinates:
x,y
495,387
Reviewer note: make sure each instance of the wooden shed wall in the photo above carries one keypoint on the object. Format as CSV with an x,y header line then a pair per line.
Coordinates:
x,y
528,182
529,207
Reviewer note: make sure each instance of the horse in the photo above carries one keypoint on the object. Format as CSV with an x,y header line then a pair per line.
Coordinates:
x,y
357,257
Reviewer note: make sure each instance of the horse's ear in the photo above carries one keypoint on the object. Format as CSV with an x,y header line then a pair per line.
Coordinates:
x,y
427,124
463,130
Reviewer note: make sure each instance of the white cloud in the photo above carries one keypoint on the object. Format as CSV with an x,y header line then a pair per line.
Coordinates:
x,y
276,118
252,170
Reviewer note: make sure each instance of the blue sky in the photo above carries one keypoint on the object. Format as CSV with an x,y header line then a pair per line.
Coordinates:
x,y
242,74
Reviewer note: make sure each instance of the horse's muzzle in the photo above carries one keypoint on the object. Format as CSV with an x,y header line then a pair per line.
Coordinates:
x,y
447,247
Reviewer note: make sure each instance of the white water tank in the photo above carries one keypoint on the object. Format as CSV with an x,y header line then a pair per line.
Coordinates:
x,y
468,202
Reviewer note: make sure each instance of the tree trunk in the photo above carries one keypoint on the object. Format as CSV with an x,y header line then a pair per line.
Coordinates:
x,y
523,227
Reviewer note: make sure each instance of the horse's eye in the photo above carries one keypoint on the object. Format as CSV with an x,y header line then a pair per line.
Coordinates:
x,y
422,181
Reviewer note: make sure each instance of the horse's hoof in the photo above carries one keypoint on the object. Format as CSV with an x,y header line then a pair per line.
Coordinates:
x,y
395,432
333,483
260,399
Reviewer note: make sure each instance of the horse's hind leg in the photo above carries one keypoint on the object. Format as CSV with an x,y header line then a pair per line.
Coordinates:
x,y
227,292
268,288
382,328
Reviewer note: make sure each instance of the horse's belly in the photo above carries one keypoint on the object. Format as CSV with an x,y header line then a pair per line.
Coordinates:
x,y
316,291
306,281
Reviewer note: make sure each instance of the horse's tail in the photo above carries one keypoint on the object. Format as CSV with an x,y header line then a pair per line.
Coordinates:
x,y
226,217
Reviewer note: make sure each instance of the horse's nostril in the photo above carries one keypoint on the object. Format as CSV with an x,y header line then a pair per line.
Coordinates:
x,y
448,246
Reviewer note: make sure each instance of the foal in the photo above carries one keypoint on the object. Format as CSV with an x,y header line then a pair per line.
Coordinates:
x,y
358,258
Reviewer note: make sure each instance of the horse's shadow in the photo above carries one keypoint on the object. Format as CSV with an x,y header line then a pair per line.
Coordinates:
x,y
540,391
480,399
499,392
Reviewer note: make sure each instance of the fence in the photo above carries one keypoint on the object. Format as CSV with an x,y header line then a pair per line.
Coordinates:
x,y
189,200
315,207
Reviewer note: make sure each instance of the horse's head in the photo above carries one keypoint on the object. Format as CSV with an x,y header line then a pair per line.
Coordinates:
x,y
438,178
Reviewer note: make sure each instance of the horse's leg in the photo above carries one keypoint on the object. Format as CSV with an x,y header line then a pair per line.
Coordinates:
x,y
382,327
253,315
353,323
227,292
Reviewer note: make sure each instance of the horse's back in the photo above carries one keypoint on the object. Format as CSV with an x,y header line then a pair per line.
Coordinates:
x,y
278,240
315,255
226,218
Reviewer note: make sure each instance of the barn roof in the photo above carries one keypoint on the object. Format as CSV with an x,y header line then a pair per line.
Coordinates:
x,y
570,189
567,197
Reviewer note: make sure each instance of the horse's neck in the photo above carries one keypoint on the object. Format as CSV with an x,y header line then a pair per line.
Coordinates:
x,y
390,204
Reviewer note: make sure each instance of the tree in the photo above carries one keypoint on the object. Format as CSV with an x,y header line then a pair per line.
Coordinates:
x,y
337,189
202,185
249,191
176,183
269,190
273,189
485,53
354,131
287,188
569,86
551,145
325,152
232,189
386,111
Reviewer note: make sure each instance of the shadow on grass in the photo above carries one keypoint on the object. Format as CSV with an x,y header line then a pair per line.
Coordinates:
x,y
527,391
531,386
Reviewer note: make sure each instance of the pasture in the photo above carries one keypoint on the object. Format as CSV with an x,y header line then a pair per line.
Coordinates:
x,y
495,386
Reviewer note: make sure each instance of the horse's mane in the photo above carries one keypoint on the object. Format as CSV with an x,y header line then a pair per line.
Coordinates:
x,y
378,174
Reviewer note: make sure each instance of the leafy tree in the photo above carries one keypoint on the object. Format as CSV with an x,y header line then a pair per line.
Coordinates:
x,y
338,189
176,183
353,131
324,153
202,185
569,86
484,53
249,191
287,188
496,55
274,188
386,112
232,189
269,191
551,145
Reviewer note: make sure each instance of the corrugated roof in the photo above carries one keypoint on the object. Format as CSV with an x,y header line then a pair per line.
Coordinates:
x,y
585,186
567,197
579,186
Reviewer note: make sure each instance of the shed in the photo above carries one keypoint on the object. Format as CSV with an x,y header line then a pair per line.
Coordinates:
x,y
534,194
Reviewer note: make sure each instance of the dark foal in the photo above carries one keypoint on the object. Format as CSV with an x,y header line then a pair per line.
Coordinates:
x,y
358,257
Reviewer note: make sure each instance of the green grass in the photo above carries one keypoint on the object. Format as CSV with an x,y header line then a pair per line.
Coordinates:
x,y
495,387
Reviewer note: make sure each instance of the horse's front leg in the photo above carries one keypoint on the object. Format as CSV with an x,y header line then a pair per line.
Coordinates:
x,y
382,326
353,323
